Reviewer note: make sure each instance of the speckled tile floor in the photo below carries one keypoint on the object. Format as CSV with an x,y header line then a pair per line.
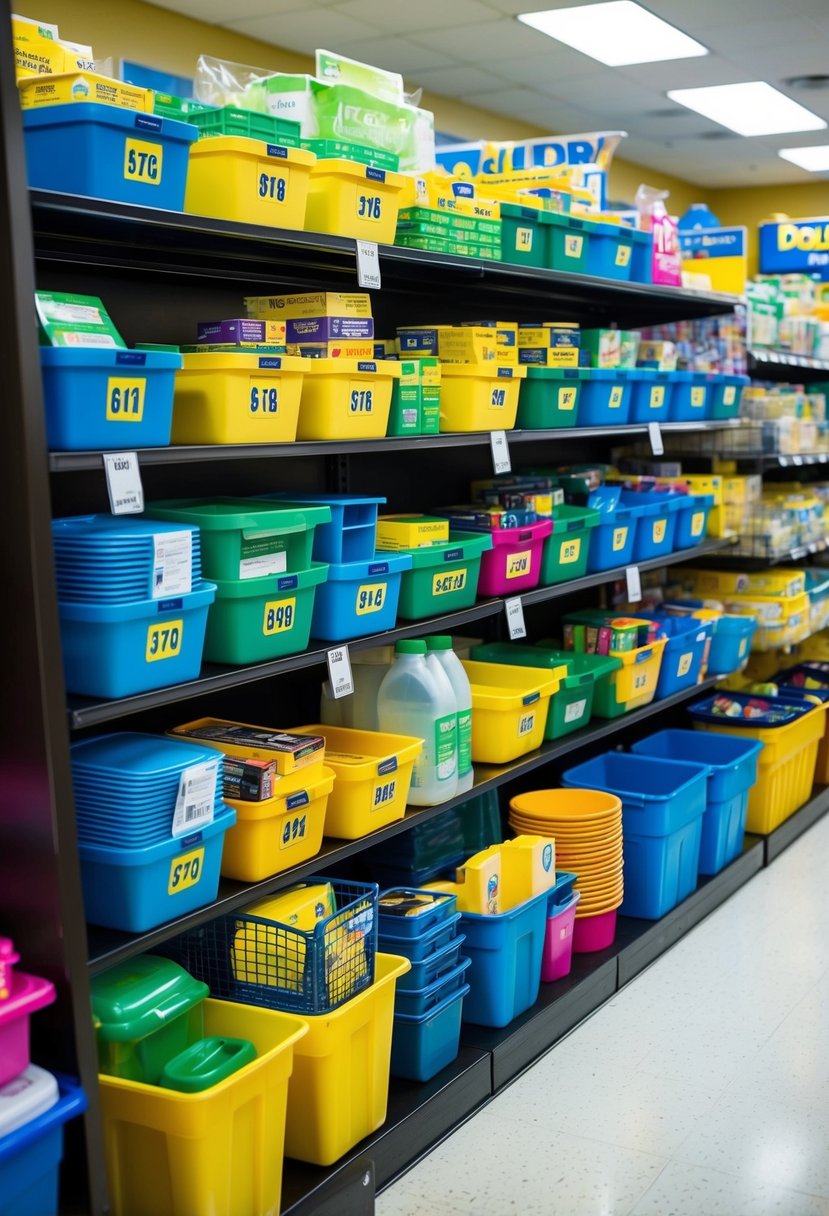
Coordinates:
x,y
701,1089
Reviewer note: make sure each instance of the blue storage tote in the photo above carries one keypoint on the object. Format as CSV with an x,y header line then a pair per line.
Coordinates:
x,y
424,1045
505,950
725,393
437,967
682,658
689,398
642,260
108,152
650,395
732,764
136,889
605,397
427,946
30,1157
731,644
610,252
359,597
351,536
415,1002
121,649
656,512
108,400
612,540
692,520
393,917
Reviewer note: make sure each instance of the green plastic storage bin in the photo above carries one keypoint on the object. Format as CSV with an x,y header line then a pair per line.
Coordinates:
x,y
525,236
549,397
444,577
256,619
229,120
565,552
361,154
569,243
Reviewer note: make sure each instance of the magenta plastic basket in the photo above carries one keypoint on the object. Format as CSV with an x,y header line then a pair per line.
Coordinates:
x,y
592,933
557,958
28,994
513,564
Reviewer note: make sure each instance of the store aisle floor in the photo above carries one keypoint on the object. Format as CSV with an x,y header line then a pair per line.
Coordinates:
x,y
701,1089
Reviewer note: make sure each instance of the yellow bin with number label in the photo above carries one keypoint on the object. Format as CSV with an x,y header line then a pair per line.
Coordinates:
x,y
347,199
271,836
509,709
237,398
479,396
345,398
231,177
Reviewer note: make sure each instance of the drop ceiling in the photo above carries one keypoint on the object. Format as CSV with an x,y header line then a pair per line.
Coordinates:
x,y
477,52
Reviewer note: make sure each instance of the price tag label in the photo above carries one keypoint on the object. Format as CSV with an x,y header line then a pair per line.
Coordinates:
x,y
368,265
501,462
634,584
126,493
196,798
798,460
515,618
339,672
655,435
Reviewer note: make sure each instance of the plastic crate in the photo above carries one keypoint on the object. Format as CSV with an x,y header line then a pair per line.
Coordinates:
x,y
428,971
525,236
259,619
359,597
428,946
780,620
346,398
363,154
612,540
514,562
509,710
432,909
228,120
506,951
566,550
351,535
237,398
692,521
684,653
569,243
731,644
549,397
725,394
650,395
479,396
277,833
415,1002
423,1045
30,1157
249,181
656,512
25,995
633,683
689,398
605,397
443,577
347,199
611,250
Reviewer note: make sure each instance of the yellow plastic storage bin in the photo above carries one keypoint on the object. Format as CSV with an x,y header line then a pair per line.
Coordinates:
x,y
244,398
509,709
701,483
346,398
231,177
218,1151
631,685
479,396
338,1093
348,199
772,582
271,836
373,772
781,620
786,767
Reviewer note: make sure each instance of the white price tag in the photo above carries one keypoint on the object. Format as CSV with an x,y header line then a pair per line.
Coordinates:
x,y
501,462
634,583
173,564
798,460
655,434
126,493
196,798
515,618
339,672
368,265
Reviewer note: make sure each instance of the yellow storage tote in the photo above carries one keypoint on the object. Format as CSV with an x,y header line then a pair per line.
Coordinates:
x,y
509,709
347,199
781,620
373,772
231,177
218,1151
631,685
479,396
271,836
237,398
772,582
338,1093
346,398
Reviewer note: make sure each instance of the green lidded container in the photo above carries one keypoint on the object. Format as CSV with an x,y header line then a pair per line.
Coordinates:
x,y
443,577
256,619
206,1063
569,243
565,551
549,397
230,120
147,1010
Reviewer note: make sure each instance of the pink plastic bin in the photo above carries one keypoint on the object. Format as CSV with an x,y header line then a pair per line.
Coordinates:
x,y
513,564
557,958
26,994
591,933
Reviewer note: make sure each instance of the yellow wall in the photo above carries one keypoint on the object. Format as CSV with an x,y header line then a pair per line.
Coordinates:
x,y
755,203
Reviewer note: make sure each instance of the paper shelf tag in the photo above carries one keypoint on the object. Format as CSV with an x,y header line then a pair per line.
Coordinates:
x,y
655,434
339,672
126,493
196,798
634,583
500,452
515,618
368,265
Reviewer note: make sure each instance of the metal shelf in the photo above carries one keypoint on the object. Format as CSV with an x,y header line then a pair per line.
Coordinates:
x,y
749,563
781,365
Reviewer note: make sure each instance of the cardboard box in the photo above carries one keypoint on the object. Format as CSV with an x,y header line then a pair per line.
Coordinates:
x,y
82,86
241,331
329,329
310,304
395,532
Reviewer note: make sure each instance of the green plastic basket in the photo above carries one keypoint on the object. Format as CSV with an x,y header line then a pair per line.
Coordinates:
x,y
257,619
228,120
167,105
525,237
569,243
565,551
361,154
444,577
549,397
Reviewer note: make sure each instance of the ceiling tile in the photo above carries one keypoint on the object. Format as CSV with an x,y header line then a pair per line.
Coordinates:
x,y
687,73
487,41
214,12
304,30
517,103
458,81
741,38
775,63
405,16
703,15
396,54
547,71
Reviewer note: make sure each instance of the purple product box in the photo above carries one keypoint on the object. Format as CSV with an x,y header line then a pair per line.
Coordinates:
x,y
241,329
329,329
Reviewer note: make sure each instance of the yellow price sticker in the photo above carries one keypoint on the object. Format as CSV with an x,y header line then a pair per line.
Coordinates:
x,y
697,523
623,255
616,394
697,397
279,616
573,246
442,584
620,536
567,398
518,564
371,597
164,641
523,240
185,871
729,394
125,399
569,552
660,527
684,665
657,396
143,162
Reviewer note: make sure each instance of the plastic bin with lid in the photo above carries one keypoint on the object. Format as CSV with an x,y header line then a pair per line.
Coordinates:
x,y
479,396
509,709
605,397
443,577
567,549
650,395
549,397
279,832
732,771
228,397
249,181
612,250
30,1155
633,683
506,951
25,1097
725,392
108,152
663,803
251,125
688,640
424,1044
689,397
346,398
351,535
22,995
347,199
786,768
107,400
206,1063
514,562
359,597
218,1150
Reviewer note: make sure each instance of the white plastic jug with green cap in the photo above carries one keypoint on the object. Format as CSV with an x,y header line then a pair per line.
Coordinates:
x,y
440,650
411,701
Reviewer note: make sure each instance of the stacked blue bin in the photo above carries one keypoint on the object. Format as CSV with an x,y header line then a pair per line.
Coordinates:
x,y
423,927
31,1142
684,654
506,949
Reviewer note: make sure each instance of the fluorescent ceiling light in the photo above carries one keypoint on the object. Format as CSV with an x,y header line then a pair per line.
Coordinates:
x,y
815,159
615,33
754,108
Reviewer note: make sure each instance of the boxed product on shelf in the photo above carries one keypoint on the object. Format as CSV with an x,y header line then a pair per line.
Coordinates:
x,y
242,331
79,87
347,306
39,50
415,398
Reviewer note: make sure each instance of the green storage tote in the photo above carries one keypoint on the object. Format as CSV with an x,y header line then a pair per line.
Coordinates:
x,y
230,120
549,397
525,237
569,243
443,577
566,551
257,619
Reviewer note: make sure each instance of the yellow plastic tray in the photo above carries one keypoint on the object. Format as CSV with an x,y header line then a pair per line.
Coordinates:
x,y
348,199
346,398
244,398
338,1093
509,709
231,177
219,1151
271,836
373,773
479,396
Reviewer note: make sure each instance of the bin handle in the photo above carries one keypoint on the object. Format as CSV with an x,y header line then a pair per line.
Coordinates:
x,y
251,532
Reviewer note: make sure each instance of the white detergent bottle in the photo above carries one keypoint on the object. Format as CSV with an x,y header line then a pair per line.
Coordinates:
x,y
440,649
412,702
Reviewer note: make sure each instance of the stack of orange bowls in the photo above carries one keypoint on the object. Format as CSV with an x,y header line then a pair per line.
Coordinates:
x,y
587,826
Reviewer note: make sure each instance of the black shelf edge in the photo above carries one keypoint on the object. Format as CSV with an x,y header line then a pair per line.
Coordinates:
x,y
85,712
798,823
749,563
781,365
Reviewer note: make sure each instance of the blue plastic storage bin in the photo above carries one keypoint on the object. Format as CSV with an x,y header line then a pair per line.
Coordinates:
x,y
108,400
610,252
359,597
605,397
725,393
431,969
506,951
650,395
560,894
424,1045
112,558
107,152
136,889
416,1002
30,1157
692,520
684,652
612,540
731,645
121,649
351,536
442,907
656,512
689,397
419,949
642,260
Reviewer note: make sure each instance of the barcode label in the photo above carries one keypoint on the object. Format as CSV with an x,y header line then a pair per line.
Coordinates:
x,y
196,797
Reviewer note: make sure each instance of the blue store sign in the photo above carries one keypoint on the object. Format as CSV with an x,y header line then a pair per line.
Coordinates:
x,y
795,247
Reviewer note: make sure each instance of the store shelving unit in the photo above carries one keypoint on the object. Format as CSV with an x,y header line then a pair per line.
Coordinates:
x,y
781,365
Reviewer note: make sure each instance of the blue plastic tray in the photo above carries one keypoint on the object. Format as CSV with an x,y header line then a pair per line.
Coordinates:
x,y
506,951
359,597
418,949
419,1001
423,1046
443,906
650,395
605,397
351,536
437,967
30,1157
